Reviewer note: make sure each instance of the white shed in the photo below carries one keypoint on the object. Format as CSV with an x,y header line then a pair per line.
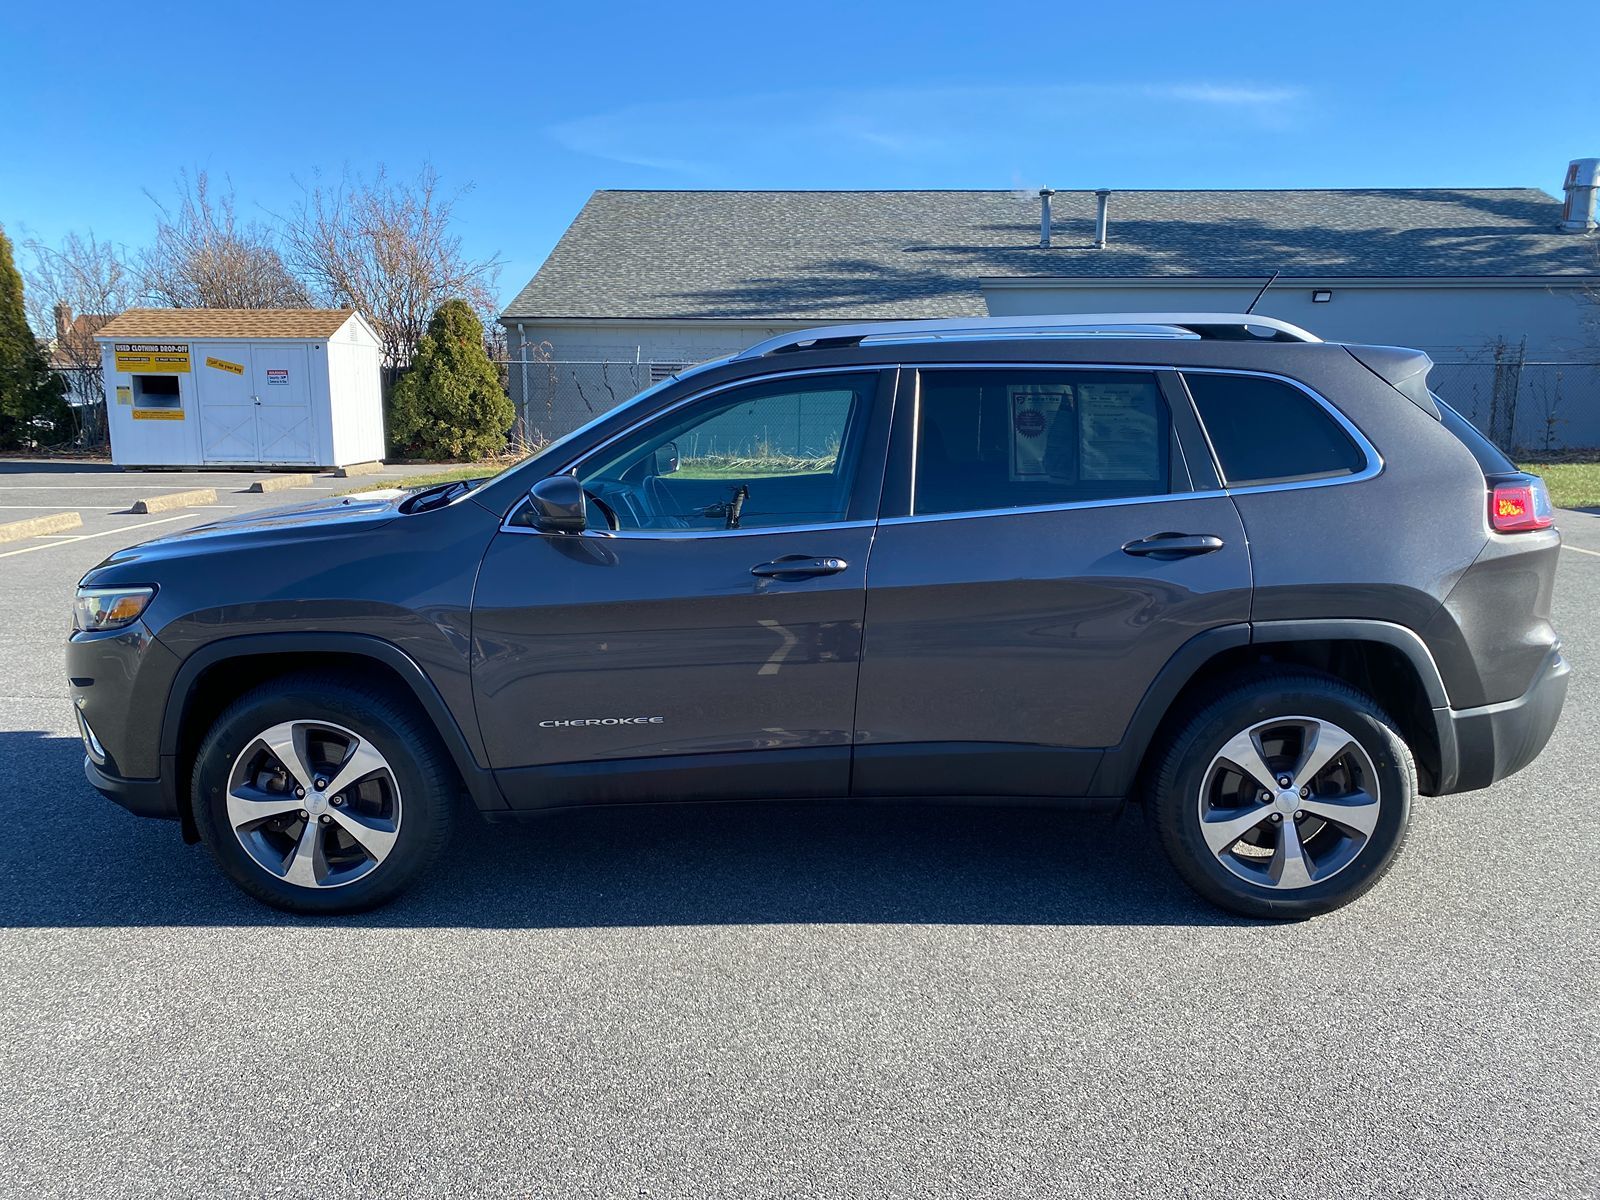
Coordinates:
x,y
242,387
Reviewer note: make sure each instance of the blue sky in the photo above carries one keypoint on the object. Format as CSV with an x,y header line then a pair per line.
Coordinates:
x,y
536,106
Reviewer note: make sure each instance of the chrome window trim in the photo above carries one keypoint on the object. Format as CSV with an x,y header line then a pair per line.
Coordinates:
x,y
1374,460
679,535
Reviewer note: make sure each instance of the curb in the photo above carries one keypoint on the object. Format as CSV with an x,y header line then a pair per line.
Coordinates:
x,y
14,531
366,468
152,504
280,483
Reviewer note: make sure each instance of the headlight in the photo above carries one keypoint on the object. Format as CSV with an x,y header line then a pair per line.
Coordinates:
x,y
95,609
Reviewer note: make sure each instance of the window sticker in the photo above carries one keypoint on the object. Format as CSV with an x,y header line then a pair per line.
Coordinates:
x,y
1041,427
1119,428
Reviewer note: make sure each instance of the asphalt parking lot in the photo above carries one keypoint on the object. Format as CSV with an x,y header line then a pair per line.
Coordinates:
x,y
813,1000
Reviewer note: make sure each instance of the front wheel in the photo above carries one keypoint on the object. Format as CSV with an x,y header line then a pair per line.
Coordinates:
x,y
318,794
1287,796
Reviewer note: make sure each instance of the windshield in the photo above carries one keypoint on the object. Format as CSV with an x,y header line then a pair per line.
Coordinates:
x,y
553,451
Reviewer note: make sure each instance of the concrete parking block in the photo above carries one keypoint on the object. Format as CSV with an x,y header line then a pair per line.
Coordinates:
x,y
153,504
13,531
281,483
366,468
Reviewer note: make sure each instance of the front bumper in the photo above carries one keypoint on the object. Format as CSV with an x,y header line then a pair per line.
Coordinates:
x,y
1485,745
142,797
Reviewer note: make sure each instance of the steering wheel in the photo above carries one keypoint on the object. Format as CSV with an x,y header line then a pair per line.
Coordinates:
x,y
609,513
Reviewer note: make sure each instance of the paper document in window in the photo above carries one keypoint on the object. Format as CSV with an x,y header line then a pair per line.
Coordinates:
x,y
1119,428
1043,432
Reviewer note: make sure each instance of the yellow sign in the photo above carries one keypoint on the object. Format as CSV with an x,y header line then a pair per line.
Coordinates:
x,y
124,394
153,358
223,364
158,414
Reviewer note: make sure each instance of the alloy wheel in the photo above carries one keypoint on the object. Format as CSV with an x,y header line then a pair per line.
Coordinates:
x,y
314,803
1289,802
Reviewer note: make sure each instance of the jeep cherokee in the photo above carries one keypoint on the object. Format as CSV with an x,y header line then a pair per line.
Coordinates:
x,y
1271,586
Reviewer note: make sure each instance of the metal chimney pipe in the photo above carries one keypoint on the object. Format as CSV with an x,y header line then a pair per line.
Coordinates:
x,y
1102,197
1581,186
1044,215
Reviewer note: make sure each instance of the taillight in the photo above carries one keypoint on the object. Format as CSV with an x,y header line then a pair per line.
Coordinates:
x,y
1515,507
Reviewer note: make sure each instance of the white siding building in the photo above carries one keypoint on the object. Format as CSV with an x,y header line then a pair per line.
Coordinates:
x,y
1497,284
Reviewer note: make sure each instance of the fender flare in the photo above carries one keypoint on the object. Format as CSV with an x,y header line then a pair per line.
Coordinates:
x,y
1120,765
479,780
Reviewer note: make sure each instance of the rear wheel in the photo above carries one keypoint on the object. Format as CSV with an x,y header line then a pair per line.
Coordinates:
x,y
1287,796
322,795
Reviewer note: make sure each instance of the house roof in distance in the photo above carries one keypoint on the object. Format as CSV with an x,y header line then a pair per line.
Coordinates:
x,y
807,255
226,323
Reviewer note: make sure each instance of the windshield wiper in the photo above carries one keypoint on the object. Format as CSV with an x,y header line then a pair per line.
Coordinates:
x,y
436,496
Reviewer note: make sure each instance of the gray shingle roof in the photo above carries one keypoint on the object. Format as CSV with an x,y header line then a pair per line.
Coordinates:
x,y
863,255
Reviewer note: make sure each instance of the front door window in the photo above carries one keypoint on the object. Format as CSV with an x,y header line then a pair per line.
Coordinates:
x,y
764,456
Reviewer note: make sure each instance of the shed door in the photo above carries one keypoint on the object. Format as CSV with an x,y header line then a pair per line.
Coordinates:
x,y
226,404
283,402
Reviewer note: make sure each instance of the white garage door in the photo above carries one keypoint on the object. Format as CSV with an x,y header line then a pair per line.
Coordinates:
x,y
227,406
283,411
261,413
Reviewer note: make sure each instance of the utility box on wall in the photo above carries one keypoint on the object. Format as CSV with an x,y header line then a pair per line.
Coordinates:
x,y
225,387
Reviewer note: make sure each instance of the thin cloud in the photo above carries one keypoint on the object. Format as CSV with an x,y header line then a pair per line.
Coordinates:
x,y
720,140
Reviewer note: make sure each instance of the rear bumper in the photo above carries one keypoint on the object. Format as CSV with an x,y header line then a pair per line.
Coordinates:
x,y
1485,745
142,797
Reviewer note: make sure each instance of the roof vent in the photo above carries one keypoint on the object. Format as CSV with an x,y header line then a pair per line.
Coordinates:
x,y
1102,200
1044,215
1583,180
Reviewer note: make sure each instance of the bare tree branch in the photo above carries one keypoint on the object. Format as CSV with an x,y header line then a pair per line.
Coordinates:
x,y
72,290
386,248
204,257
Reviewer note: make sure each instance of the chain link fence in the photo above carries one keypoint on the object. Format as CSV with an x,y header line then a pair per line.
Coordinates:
x,y
1526,407
554,398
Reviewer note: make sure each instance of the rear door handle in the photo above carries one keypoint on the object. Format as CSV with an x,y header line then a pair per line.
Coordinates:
x,y
798,566
1173,545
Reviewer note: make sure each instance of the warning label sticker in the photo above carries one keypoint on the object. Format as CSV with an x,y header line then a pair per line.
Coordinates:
x,y
158,414
277,376
124,394
223,364
152,358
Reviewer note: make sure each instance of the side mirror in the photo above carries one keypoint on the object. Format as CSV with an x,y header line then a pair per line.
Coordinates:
x,y
558,505
666,458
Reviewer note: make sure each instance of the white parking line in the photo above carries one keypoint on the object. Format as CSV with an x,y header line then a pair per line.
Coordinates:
x,y
1581,550
86,536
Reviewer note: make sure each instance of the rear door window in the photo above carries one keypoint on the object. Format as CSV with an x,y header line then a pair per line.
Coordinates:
x,y
1267,431
999,438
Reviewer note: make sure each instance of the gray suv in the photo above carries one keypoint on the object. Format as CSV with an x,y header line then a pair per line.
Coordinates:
x,y
1270,586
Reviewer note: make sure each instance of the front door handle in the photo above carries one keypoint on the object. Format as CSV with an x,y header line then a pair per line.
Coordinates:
x,y
1173,545
798,566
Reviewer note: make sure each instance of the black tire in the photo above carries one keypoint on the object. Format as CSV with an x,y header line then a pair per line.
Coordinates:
x,y
1173,797
421,769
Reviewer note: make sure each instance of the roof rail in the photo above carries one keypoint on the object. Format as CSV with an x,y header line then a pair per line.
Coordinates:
x,y
1236,327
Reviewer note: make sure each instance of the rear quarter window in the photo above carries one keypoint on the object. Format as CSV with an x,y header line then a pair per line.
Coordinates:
x,y
1267,431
